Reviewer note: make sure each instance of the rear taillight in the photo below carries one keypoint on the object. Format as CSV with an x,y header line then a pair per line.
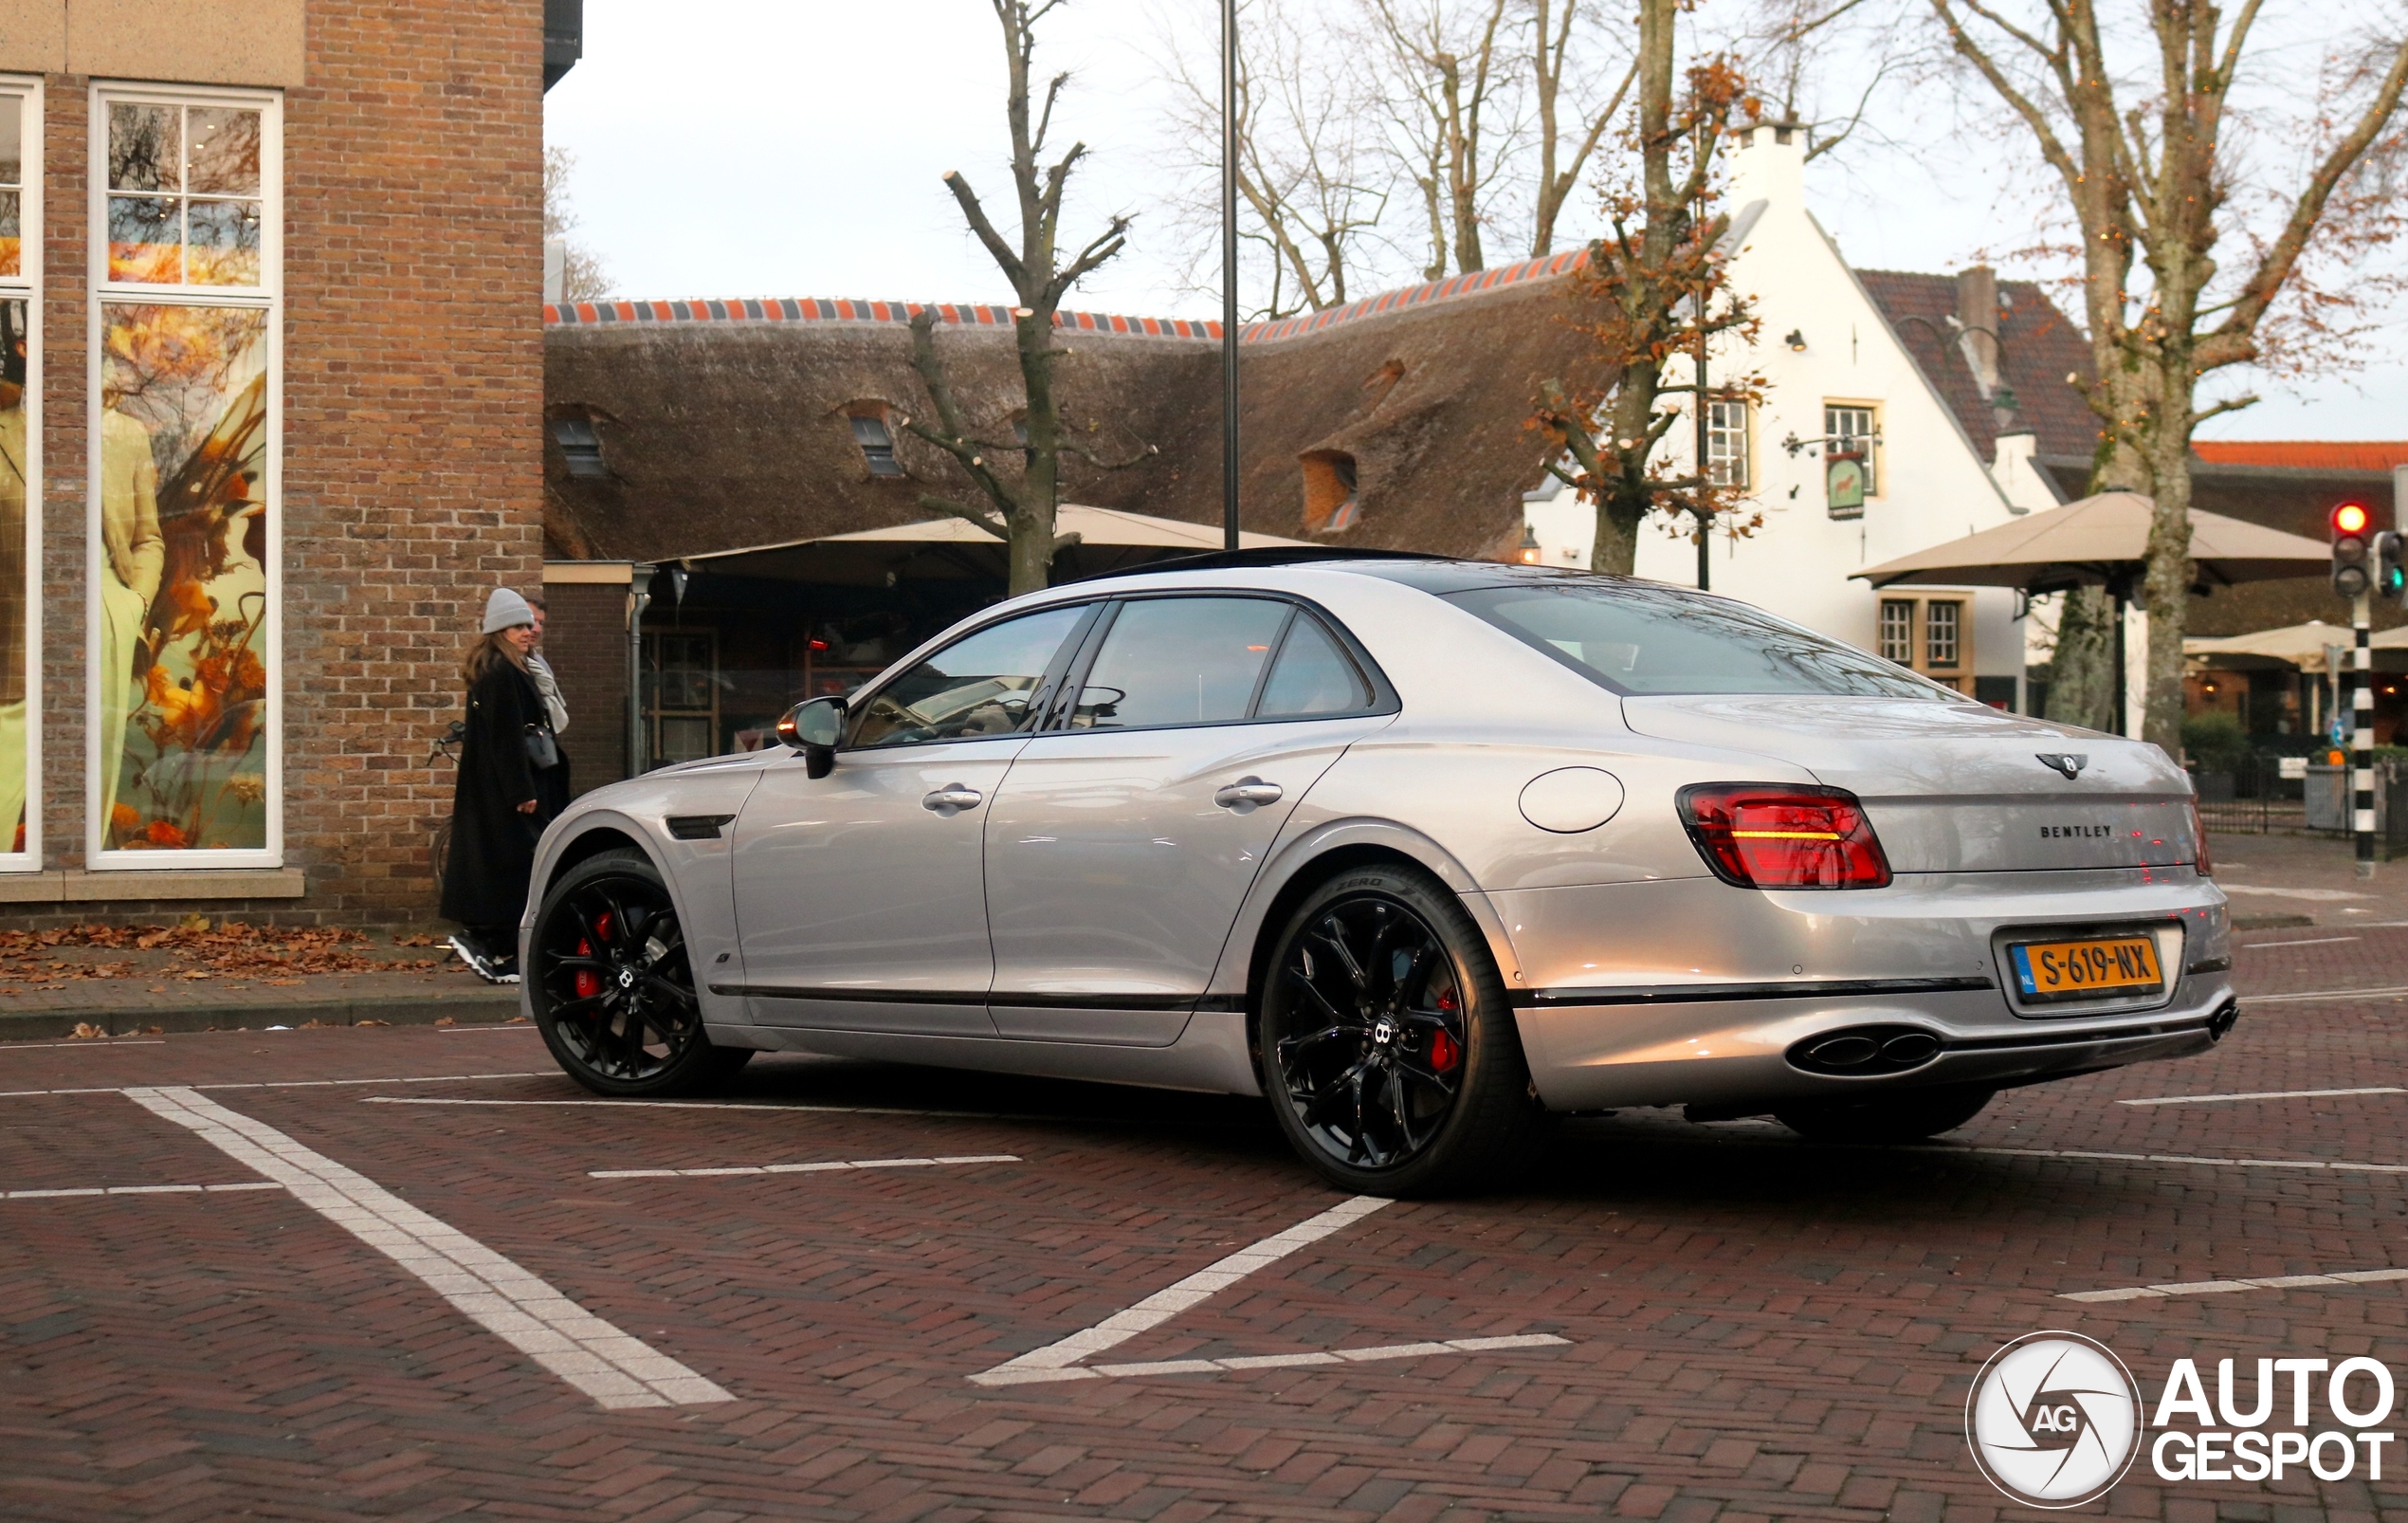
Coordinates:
x,y
2198,836
1779,835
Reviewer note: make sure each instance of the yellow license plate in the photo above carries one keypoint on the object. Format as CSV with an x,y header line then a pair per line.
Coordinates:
x,y
2084,969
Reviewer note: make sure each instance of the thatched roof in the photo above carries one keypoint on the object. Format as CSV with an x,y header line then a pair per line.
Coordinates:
x,y
726,424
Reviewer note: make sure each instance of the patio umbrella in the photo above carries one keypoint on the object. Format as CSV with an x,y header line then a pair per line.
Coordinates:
x,y
956,549
2100,541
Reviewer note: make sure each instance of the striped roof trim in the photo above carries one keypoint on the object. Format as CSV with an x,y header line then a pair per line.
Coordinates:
x,y
820,309
816,310
1454,285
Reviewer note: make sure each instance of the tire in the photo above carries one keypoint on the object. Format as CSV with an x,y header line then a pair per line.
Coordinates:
x,y
1898,1118
1387,1043
622,1021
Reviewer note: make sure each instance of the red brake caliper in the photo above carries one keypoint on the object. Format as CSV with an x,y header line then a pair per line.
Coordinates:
x,y
1443,1051
589,982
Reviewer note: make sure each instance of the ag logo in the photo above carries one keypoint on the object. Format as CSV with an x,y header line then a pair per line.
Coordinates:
x,y
2054,1419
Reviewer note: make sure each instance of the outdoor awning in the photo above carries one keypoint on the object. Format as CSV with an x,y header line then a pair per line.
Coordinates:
x,y
2100,541
2295,645
956,549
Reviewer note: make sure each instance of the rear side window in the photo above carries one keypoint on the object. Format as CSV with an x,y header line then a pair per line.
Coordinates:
x,y
1180,661
977,687
1633,638
1312,675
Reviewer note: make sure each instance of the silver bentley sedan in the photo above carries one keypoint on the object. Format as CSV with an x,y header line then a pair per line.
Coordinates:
x,y
1421,851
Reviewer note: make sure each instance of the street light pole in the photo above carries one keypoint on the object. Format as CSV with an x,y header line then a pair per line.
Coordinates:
x,y
1228,274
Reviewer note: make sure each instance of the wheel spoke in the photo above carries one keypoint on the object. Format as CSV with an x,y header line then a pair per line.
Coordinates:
x,y
1289,1045
1334,937
1328,1009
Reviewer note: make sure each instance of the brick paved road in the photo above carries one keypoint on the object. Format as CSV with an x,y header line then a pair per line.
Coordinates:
x,y
1759,1328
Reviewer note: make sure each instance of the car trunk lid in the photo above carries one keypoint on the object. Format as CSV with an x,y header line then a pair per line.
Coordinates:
x,y
1957,787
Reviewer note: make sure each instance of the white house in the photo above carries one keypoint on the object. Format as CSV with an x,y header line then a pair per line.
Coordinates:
x,y
1945,387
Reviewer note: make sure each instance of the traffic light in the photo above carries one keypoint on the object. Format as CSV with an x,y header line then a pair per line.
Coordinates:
x,y
2353,549
2390,565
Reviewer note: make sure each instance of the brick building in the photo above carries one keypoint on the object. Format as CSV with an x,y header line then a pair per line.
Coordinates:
x,y
270,367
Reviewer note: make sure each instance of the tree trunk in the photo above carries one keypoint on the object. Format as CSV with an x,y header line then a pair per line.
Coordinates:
x,y
2082,671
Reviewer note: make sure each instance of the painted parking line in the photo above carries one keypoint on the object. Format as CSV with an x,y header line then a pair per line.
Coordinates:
x,y
2222,1287
90,1044
2315,941
2263,1094
615,1369
829,1167
2081,1156
1050,1361
298,1084
2322,994
138,1190
1329,1356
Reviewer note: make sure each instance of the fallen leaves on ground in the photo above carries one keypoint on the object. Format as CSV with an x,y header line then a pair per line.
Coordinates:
x,y
202,950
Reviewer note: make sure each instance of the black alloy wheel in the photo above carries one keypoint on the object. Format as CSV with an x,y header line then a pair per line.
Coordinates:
x,y
1387,1043
612,986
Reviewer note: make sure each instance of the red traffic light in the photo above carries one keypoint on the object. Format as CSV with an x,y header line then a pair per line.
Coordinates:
x,y
2351,518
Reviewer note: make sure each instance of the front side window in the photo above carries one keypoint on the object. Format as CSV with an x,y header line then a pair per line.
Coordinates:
x,y
1633,638
182,510
1855,429
1180,661
979,687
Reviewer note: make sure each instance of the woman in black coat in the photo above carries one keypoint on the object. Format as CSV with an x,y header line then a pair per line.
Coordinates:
x,y
496,809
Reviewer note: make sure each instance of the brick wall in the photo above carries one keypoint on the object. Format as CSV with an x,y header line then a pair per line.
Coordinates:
x,y
413,387
585,639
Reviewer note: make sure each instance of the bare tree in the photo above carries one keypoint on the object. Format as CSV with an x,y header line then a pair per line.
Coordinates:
x,y
1310,189
1445,80
2148,172
1020,500
1656,286
1562,157
585,278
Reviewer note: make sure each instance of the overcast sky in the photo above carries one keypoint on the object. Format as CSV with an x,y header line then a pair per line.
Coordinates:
x,y
794,148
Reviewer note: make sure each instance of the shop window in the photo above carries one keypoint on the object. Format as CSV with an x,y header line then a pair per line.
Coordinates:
x,y
580,446
681,695
1726,444
1940,629
877,444
20,464
1331,501
1898,631
182,512
1932,636
1854,428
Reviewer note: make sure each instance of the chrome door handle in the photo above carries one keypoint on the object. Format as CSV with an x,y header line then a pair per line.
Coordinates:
x,y
1246,793
956,796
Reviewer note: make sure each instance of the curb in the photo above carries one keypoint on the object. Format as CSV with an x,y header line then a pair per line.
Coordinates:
x,y
489,1006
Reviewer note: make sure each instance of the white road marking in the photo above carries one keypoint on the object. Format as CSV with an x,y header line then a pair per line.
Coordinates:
x,y
295,1084
2314,896
796,1168
711,1105
2320,940
591,1354
2168,1158
1004,1375
89,1044
2219,1287
490,1025
138,1190
1167,1303
2322,994
2261,1094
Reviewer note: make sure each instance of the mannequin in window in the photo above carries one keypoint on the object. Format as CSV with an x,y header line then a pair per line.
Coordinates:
x,y
132,555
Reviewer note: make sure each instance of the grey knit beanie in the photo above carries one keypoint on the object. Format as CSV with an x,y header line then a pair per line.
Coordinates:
x,y
506,610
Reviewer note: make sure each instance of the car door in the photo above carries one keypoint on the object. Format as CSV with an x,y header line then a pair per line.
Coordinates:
x,y
1124,839
858,895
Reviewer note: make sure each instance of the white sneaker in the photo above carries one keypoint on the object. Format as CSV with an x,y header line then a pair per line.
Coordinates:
x,y
478,963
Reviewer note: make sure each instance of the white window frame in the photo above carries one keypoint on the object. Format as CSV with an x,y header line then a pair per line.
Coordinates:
x,y
1873,472
266,296
1737,434
25,286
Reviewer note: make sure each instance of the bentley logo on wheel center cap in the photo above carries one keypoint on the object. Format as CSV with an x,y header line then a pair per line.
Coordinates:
x,y
2054,1419
627,978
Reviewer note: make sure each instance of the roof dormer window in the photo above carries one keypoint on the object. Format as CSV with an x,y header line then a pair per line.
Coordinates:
x,y
1331,501
877,444
581,447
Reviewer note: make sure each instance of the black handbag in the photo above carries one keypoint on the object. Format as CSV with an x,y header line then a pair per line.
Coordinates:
x,y
543,752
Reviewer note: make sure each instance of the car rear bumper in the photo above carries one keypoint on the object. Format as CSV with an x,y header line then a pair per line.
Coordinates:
x,y
1746,1053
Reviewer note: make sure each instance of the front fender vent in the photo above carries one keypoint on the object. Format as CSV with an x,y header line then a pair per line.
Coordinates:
x,y
1865,1051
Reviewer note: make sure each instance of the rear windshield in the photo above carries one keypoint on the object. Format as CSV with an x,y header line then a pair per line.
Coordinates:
x,y
1637,639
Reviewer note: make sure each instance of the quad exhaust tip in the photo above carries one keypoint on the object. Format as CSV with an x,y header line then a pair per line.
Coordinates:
x,y
1866,1051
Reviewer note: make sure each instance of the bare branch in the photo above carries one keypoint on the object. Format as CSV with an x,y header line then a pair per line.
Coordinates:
x,y
972,514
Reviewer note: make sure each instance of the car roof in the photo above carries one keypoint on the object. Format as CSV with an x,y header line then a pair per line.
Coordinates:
x,y
1437,575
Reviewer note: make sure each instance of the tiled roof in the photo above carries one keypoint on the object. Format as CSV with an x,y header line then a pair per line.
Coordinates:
x,y
2310,454
820,309
2039,347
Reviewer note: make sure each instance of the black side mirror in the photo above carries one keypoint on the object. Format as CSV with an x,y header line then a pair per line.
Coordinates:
x,y
813,728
